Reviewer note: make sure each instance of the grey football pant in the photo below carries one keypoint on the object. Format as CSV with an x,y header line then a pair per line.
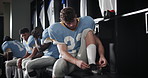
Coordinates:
x,y
24,72
11,68
38,63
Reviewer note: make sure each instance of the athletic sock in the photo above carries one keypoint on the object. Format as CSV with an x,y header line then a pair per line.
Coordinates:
x,y
8,72
91,53
20,73
15,72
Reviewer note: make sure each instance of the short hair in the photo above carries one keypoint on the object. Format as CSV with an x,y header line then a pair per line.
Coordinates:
x,y
7,38
37,30
23,30
67,14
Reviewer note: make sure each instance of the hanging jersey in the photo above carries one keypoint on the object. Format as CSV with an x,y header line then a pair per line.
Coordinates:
x,y
44,35
17,48
72,38
52,50
106,5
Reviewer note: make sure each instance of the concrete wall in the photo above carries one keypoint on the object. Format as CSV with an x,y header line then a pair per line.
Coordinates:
x,y
6,18
16,15
19,16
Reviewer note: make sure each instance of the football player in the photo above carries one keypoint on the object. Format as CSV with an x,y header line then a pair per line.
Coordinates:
x,y
13,50
76,43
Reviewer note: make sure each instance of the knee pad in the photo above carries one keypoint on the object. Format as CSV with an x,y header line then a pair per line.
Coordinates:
x,y
32,74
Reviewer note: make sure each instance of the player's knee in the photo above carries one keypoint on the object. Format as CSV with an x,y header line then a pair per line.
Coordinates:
x,y
90,32
60,64
7,64
59,68
29,66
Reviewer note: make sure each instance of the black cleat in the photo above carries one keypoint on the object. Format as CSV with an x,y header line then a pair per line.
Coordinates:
x,y
95,69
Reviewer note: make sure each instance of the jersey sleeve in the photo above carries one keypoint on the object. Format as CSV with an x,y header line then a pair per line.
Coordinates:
x,y
4,46
31,41
47,40
55,36
91,22
44,35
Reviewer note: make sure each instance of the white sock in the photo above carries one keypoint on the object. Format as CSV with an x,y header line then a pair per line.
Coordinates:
x,y
15,72
8,71
25,74
91,53
20,75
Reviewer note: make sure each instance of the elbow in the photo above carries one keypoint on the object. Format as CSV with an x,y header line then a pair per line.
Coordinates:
x,y
63,56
